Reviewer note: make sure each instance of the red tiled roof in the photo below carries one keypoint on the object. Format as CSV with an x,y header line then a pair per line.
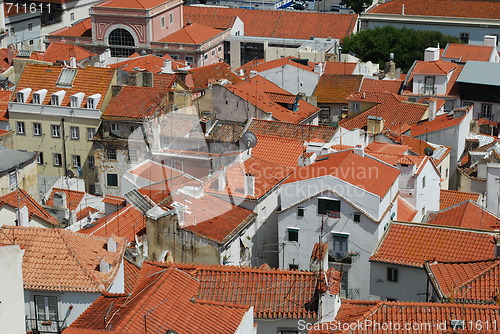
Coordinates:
x,y
466,52
381,86
84,213
135,103
437,67
200,77
411,244
73,197
395,159
445,8
167,296
127,222
343,165
429,318
60,260
438,123
149,63
221,22
280,24
406,212
476,282
192,34
5,96
450,198
334,88
155,172
303,132
267,176
290,150
164,80
21,198
256,91
114,200
132,4
339,67
80,29
62,52
131,273
387,148
274,293
280,62
89,80
390,107
466,214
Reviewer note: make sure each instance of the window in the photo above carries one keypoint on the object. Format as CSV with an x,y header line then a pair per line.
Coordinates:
x,y
133,128
357,217
324,116
300,211
36,98
13,180
12,32
90,133
30,26
72,16
46,308
292,266
328,206
171,18
115,127
39,158
213,52
31,42
132,155
57,159
90,104
392,274
77,161
339,245
464,37
293,234
205,56
20,128
219,49
485,111
75,133
423,182
112,180
356,107
162,22
55,100
122,43
429,85
37,129
189,59
55,130
111,153
91,162
467,103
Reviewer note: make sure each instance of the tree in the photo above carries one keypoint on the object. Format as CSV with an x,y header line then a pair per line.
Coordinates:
x,y
408,45
357,6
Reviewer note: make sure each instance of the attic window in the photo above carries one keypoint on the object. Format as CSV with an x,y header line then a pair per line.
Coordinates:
x,y
66,77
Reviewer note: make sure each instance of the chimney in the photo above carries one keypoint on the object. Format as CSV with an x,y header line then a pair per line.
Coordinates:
x,y
319,68
221,184
359,151
403,9
72,62
374,124
249,185
111,245
431,54
471,144
490,40
432,109
104,267
167,66
306,158
24,216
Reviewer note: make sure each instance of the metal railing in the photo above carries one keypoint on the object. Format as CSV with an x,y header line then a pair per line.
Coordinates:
x,y
44,326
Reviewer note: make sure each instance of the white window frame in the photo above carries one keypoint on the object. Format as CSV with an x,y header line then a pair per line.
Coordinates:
x,y
37,129
170,18
90,134
55,130
20,128
57,159
162,21
39,158
75,132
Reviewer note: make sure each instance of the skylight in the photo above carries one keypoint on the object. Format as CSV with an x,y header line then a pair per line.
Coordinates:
x,y
66,77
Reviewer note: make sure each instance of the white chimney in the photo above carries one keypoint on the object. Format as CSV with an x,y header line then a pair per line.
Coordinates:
x,y
319,68
249,184
111,245
432,109
330,305
24,219
104,267
221,184
306,158
490,40
167,66
72,62
431,54
59,200
359,151
403,9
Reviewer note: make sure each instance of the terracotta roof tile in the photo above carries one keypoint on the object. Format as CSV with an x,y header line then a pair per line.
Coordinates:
x,y
450,198
73,197
89,80
389,86
80,29
141,103
280,62
339,68
85,212
411,244
466,282
265,289
438,67
353,313
438,123
114,200
5,97
200,77
387,148
260,92
290,150
63,52
406,212
303,132
341,164
280,24
149,63
164,80
466,214
127,222
466,52
71,263
132,4
167,296
22,198
192,34
445,8
131,274
334,88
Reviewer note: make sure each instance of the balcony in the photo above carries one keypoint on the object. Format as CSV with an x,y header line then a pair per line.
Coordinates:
x,y
342,257
36,326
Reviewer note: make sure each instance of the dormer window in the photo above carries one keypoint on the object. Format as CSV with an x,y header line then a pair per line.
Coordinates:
x,y
76,100
57,97
93,101
23,94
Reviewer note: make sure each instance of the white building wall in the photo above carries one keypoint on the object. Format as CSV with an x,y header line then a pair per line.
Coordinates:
x,y
11,290
247,323
410,286
293,79
8,216
427,198
275,326
17,25
493,188
118,285
440,83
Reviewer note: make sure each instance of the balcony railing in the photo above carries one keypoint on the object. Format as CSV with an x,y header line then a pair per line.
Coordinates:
x,y
36,326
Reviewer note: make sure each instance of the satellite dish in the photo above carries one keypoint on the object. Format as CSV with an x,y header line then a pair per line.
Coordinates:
x,y
70,174
428,151
249,140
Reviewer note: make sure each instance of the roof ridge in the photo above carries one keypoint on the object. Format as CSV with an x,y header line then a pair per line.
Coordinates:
x,y
480,275
459,228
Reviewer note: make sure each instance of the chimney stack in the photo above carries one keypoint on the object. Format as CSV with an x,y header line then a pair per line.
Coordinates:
x,y
431,54
432,109
249,185
221,184
359,151
72,62
490,40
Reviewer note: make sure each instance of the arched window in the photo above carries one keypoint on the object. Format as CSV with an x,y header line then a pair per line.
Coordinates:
x,y
121,43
